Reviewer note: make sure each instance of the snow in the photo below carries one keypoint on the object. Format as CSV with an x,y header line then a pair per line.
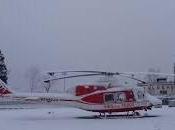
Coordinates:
x,y
69,119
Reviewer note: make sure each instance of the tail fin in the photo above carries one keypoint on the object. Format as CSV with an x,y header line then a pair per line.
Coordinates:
x,y
4,89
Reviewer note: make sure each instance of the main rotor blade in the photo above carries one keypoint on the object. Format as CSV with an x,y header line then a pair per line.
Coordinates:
x,y
93,72
149,73
74,71
97,72
130,77
72,76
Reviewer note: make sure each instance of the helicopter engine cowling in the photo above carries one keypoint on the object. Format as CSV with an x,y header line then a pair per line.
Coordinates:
x,y
86,89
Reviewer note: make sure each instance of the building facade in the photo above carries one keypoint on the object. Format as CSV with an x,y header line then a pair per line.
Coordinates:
x,y
162,89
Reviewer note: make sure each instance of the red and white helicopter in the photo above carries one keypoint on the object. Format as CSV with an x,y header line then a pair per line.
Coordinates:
x,y
95,98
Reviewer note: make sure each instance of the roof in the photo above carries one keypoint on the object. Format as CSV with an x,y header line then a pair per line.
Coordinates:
x,y
157,83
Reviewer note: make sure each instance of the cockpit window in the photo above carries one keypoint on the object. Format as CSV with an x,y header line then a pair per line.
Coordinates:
x,y
140,95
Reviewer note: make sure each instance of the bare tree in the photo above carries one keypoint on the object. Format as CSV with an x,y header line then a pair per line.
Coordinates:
x,y
33,74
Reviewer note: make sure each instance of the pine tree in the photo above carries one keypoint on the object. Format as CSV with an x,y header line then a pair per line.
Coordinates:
x,y
3,68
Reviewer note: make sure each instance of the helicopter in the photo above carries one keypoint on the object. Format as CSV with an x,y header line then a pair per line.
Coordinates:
x,y
102,99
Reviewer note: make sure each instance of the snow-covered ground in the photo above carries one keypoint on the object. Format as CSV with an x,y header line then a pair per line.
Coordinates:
x,y
71,119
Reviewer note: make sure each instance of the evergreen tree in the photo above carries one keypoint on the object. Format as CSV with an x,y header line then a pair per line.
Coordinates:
x,y
3,68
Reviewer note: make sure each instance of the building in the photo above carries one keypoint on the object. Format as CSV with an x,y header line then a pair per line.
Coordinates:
x,y
162,89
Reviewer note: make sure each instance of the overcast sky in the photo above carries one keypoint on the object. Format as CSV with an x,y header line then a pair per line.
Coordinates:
x,y
111,35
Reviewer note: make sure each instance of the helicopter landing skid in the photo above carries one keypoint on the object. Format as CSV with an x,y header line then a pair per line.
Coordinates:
x,y
118,116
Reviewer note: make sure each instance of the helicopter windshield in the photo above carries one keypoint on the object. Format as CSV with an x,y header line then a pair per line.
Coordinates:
x,y
139,94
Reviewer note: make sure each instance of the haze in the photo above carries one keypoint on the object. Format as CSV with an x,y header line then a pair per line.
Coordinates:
x,y
107,35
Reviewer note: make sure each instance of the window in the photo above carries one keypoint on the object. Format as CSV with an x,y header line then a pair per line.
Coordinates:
x,y
140,95
117,97
163,87
172,88
163,92
149,88
120,96
109,98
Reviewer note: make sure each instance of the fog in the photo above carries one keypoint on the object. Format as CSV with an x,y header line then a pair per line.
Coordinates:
x,y
106,35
